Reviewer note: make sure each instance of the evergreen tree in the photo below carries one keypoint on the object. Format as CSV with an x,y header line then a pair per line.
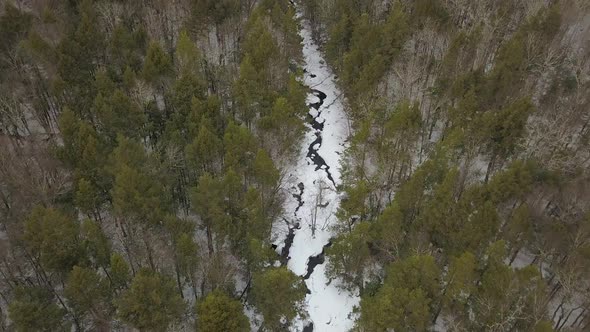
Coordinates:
x,y
157,65
53,237
118,272
97,244
34,309
404,302
151,302
88,294
278,294
349,255
218,312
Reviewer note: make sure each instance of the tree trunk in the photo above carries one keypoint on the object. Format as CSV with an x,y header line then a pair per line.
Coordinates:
x,y
209,240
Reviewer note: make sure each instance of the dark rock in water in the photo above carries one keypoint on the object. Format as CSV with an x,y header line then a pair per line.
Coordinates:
x,y
308,327
319,94
284,257
312,152
314,122
298,196
319,162
314,261
316,106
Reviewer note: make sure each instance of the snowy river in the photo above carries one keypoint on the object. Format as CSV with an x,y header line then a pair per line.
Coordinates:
x,y
310,210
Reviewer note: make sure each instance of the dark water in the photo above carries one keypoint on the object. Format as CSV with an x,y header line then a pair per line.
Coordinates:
x,y
312,150
298,197
284,257
320,164
316,260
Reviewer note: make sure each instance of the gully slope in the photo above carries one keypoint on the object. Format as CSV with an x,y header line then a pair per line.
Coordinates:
x,y
311,207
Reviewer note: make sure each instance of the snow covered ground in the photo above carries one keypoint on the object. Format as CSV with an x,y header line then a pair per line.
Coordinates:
x,y
315,177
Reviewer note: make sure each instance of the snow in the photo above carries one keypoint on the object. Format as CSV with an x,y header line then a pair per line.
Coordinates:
x,y
328,306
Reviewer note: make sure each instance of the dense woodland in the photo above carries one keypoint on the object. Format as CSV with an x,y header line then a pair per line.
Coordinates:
x,y
467,180
143,146
137,179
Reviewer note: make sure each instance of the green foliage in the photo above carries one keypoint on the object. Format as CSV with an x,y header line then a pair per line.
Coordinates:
x,y
214,11
349,255
392,308
433,9
353,205
126,47
78,54
206,149
283,123
404,300
507,297
248,91
387,232
14,24
88,293
514,182
53,237
460,282
507,127
187,53
137,194
119,115
240,148
96,243
277,293
218,312
264,170
207,201
119,271
186,254
151,302
87,196
157,64
34,309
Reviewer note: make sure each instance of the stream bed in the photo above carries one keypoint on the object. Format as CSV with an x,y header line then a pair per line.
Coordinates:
x,y
310,209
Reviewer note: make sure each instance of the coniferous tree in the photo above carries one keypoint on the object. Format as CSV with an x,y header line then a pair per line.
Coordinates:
x,y
151,302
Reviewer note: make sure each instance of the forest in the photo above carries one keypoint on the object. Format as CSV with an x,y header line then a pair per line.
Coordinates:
x,y
306,165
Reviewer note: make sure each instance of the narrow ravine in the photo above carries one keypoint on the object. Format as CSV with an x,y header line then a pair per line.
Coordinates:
x,y
310,210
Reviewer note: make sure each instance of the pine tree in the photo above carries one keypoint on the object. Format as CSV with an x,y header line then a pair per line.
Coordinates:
x,y
88,294
119,272
34,309
187,54
240,148
157,65
404,302
53,237
137,194
207,201
151,302
349,255
217,312
205,150
248,91
96,243
278,294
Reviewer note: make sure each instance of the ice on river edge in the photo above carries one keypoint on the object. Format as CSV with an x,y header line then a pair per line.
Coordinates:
x,y
329,308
